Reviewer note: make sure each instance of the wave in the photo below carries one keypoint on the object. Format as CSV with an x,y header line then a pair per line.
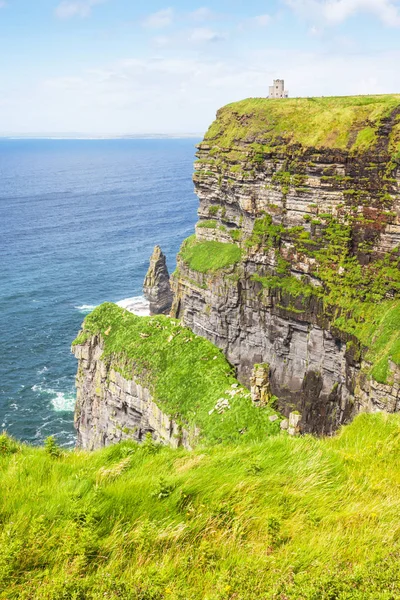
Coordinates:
x,y
63,402
137,305
60,401
85,308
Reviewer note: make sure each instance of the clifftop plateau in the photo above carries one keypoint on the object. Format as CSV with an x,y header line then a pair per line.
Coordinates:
x,y
353,124
140,375
294,518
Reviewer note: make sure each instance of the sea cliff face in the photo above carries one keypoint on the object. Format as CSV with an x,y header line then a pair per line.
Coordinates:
x,y
300,221
293,273
111,408
149,375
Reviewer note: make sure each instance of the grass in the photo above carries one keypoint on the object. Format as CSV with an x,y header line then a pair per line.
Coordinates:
x,y
345,123
293,519
377,327
206,257
208,224
185,373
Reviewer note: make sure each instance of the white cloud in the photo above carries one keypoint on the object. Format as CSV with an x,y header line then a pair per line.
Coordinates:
x,y
201,14
205,35
155,95
261,20
333,12
160,19
79,8
258,21
161,40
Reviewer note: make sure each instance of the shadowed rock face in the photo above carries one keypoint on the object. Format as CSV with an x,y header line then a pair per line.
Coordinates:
x,y
156,287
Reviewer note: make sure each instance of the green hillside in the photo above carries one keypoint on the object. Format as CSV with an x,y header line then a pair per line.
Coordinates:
x,y
285,519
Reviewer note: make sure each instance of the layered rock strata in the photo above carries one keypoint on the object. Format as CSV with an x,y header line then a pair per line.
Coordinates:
x,y
111,408
316,215
156,287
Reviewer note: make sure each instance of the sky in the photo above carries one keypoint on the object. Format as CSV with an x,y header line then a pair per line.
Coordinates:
x,y
116,67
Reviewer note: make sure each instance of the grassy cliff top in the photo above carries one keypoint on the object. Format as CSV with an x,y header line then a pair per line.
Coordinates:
x,y
185,373
344,123
300,519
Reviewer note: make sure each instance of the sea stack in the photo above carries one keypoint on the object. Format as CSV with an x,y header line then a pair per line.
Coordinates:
x,y
156,287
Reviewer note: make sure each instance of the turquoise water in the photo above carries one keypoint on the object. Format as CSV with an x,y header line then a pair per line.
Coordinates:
x,y
78,222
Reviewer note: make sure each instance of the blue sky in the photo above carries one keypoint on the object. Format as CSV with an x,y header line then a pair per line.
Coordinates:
x,y
120,66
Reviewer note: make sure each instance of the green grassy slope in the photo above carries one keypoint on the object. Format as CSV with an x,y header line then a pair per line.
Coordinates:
x,y
282,519
209,257
342,123
186,374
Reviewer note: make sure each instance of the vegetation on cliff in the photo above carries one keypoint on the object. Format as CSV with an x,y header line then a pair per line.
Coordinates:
x,y
354,296
293,518
206,257
186,374
344,123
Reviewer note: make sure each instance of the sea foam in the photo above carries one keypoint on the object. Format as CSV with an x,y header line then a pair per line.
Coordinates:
x,y
60,401
138,305
63,402
85,308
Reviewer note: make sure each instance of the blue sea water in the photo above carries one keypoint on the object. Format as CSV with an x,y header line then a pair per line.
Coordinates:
x,y
78,222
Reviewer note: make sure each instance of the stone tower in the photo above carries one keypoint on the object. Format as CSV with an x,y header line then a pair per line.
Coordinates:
x,y
278,89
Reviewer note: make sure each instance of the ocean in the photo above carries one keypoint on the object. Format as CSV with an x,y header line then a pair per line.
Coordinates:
x,y
78,222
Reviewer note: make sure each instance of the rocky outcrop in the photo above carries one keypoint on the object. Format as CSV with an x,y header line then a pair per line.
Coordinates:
x,y
111,408
139,376
259,385
156,287
319,229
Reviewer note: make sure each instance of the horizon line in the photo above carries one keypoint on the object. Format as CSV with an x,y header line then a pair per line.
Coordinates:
x,y
92,136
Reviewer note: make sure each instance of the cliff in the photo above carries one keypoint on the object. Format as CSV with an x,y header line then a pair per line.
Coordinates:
x,y
295,259
149,375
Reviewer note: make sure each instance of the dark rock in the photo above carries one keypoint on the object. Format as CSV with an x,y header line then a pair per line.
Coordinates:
x,y
156,287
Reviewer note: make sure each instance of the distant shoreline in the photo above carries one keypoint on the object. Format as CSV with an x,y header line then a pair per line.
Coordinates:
x,y
144,136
